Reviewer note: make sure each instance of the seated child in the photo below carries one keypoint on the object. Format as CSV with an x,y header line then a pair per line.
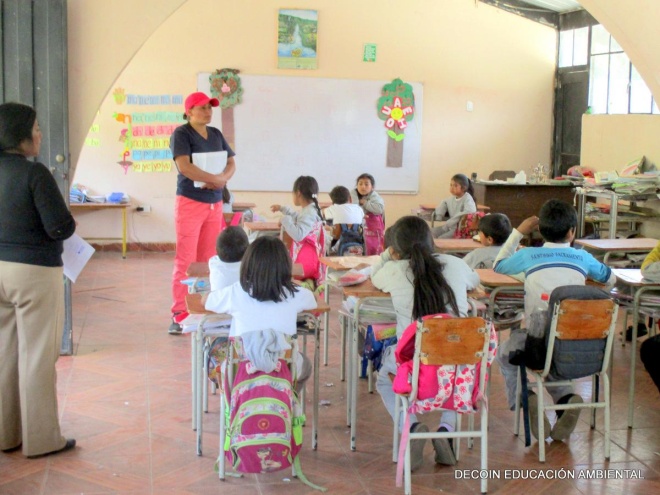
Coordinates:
x,y
342,212
460,202
224,267
264,304
494,230
553,265
227,200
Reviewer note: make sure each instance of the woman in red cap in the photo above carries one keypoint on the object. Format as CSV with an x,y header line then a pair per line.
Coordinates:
x,y
198,206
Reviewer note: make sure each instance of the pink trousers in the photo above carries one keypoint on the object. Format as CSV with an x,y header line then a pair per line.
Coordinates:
x,y
197,228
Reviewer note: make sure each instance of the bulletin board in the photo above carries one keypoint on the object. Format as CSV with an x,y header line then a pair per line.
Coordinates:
x,y
327,128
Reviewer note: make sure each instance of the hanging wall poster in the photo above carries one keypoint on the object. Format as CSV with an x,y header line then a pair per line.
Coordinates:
x,y
296,39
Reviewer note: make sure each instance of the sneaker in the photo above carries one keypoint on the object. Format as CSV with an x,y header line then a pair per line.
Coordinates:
x,y
417,446
175,329
641,331
566,420
444,449
534,416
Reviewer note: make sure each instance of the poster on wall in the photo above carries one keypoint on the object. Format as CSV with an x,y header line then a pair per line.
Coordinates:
x,y
296,39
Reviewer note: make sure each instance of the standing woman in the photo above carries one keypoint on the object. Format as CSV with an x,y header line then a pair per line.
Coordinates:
x,y
34,220
197,211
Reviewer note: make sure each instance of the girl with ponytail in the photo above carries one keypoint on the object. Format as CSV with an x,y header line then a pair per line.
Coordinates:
x,y
421,282
305,227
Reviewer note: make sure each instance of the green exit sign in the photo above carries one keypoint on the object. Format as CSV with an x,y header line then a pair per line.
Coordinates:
x,y
369,54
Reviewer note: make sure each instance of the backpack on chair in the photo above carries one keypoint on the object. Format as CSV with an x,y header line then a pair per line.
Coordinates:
x,y
468,226
351,240
264,421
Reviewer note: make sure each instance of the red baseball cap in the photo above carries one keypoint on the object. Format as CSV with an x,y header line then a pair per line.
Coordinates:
x,y
200,99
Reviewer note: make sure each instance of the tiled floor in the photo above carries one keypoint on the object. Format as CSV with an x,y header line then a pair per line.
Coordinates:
x,y
125,396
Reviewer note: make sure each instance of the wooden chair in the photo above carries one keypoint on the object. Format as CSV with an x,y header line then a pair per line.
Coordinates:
x,y
451,341
501,175
577,325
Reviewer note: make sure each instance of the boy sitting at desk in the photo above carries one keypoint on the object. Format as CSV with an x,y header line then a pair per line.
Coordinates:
x,y
342,212
553,265
494,230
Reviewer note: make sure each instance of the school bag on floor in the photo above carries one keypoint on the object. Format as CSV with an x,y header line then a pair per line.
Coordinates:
x,y
264,418
351,240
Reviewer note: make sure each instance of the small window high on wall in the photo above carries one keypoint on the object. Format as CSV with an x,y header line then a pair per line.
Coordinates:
x,y
615,86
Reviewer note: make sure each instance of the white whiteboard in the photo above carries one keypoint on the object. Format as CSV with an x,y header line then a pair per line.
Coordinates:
x,y
327,128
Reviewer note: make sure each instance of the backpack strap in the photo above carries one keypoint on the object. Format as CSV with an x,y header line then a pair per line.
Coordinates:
x,y
301,476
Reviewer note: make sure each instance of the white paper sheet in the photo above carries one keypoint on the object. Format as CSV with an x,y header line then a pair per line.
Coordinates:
x,y
75,256
213,163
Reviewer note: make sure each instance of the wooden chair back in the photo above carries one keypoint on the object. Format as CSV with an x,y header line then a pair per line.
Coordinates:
x,y
453,341
584,320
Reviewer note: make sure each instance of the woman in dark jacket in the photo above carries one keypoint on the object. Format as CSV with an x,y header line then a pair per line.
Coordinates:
x,y
34,220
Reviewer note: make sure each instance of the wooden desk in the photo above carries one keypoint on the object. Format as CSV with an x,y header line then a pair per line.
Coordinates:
x,y
456,245
76,207
262,226
609,246
431,207
633,280
238,206
492,279
519,201
200,269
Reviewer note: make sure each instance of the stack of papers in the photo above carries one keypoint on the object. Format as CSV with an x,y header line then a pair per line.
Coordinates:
x,y
214,324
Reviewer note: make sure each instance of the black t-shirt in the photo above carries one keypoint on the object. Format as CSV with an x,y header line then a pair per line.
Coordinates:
x,y
185,141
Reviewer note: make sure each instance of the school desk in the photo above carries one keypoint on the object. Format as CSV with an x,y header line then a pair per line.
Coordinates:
x,y
456,246
335,264
638,286
363,293
199,269
239,207
262,226
498,283
107,206
609,246
428,207
195,306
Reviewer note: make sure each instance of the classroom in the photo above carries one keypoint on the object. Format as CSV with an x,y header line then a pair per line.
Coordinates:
x,y
488,99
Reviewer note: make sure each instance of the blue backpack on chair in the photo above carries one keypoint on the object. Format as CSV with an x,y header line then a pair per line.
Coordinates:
x,y
351,240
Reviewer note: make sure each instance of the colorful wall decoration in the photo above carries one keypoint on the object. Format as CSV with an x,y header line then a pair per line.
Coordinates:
x,y
146,137
227,88
396,106
297,32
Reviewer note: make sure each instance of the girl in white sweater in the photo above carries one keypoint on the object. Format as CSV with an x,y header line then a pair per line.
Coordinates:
x,y
453,208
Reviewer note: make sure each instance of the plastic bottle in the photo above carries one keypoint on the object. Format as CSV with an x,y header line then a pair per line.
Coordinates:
x,y
539,318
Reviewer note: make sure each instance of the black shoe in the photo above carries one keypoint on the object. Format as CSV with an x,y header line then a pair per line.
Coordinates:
x,y
175,329
70,443
417,446
641,331
444,450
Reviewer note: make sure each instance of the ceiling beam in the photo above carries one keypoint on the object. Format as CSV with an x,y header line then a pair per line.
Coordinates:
x,y
531,12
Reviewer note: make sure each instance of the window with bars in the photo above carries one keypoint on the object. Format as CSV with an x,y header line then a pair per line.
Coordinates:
x,y
615,86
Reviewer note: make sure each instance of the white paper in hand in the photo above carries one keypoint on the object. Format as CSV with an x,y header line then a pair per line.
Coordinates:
x,y
75,256
213,163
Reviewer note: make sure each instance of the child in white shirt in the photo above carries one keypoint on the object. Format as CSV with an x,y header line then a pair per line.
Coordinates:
x,y
421,282
225,266
264,299
342,212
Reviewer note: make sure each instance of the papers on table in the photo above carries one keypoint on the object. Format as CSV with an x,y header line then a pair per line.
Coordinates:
x,y
75,256
213,163
215,324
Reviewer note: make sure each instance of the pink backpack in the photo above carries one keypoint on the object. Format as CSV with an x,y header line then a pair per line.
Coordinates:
x,y
264,431
374,233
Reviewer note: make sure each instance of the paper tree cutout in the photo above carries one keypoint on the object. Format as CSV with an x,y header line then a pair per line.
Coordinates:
x,y
396,107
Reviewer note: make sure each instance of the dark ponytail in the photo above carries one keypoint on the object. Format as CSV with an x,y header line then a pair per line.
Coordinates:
x,y
309,189
465,183
412,240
